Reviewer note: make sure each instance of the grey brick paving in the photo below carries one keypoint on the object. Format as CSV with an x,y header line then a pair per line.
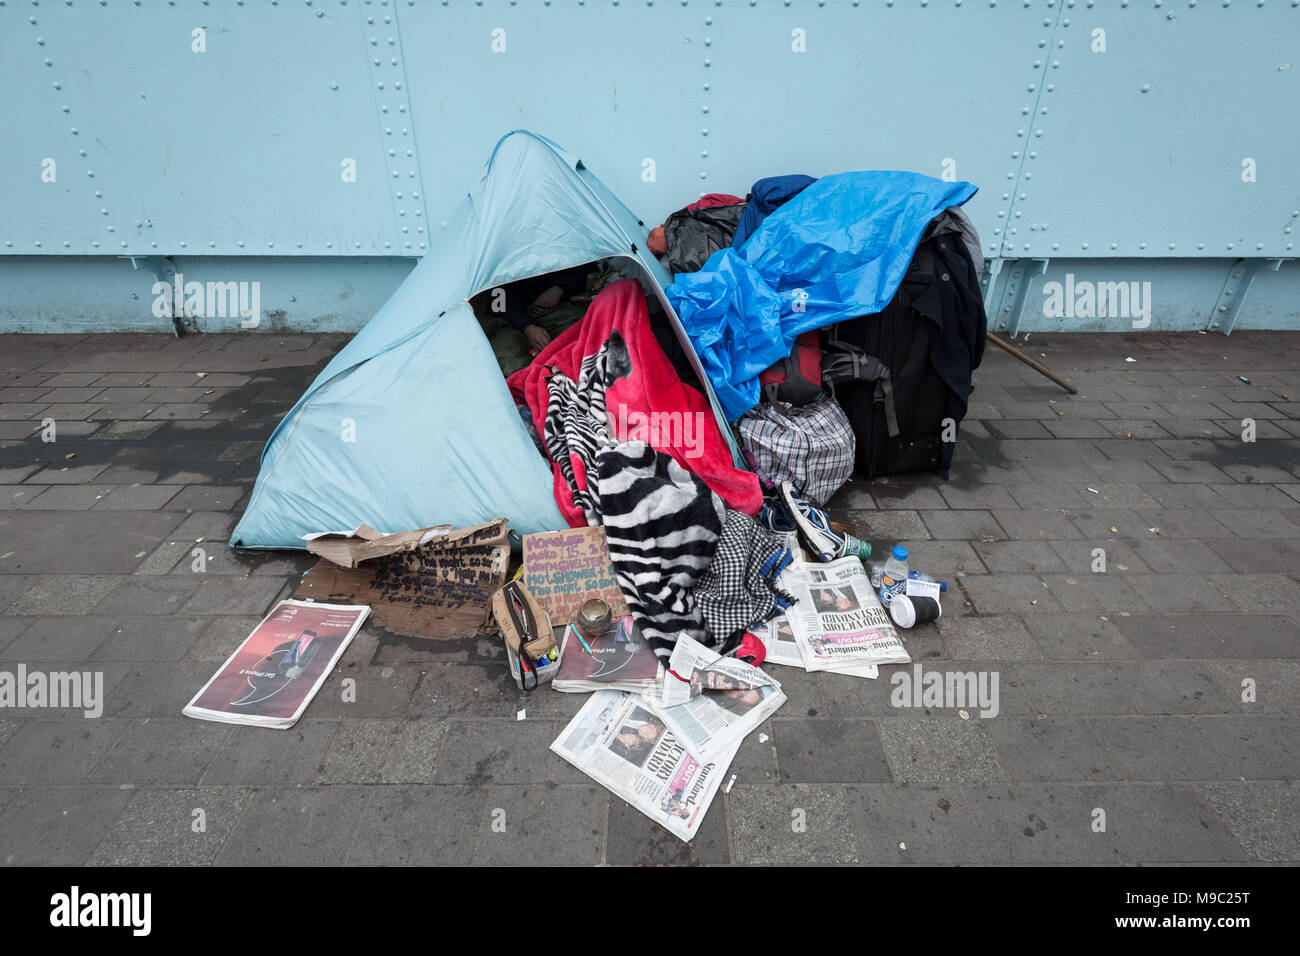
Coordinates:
x,y
1164,691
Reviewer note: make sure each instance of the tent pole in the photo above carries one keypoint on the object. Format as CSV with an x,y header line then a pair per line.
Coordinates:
x,y
1036,366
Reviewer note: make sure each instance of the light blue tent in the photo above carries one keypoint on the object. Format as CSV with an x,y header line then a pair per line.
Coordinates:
x,y
412,424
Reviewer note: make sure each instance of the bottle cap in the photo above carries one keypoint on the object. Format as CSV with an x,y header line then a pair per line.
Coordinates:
x,y
900,553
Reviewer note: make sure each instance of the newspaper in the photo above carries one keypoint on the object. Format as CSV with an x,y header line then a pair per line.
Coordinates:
x,y
716,701
273,675
838,622
778,640
618,741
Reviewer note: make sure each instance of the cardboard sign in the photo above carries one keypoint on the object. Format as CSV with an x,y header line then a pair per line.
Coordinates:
x,y
564,568
349,548
439,589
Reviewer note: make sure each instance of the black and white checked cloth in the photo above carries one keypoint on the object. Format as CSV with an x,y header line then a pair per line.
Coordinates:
x,y
738,590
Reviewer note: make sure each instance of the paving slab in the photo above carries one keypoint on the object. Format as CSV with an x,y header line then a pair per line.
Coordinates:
x,y
1163,691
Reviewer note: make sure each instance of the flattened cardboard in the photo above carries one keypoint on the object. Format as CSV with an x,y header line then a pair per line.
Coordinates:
x,y
348,549
437,590
564,568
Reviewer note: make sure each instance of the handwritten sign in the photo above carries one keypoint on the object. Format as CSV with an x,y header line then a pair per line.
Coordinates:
x,y
440,589
564,568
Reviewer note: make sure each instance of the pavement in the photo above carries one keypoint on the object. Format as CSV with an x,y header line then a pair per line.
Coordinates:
x,y
1146,713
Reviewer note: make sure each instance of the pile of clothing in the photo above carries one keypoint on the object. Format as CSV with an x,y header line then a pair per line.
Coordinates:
x,y
838,320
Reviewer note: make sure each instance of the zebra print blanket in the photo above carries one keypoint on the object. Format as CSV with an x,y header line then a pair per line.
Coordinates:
x,y
661,522
616,379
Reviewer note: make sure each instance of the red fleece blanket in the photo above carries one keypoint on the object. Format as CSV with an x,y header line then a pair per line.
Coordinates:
x,y
648,404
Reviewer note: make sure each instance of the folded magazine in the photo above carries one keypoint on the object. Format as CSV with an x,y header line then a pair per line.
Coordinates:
x,y
274,674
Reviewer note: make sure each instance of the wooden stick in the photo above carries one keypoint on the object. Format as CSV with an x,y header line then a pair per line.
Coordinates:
x,y
1036,366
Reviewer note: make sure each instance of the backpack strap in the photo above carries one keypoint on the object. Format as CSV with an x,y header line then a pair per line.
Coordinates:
x,y
849,363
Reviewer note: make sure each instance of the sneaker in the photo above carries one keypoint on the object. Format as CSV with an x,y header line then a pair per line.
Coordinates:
x,y
813,524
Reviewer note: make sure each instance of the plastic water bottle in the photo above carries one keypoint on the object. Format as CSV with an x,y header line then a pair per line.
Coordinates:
x,y
922,576
893,579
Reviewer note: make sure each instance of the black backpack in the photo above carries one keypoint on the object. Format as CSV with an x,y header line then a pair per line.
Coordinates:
x,y
898,404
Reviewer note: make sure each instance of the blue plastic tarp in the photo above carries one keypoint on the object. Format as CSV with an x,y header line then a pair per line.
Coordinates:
x,y
836,251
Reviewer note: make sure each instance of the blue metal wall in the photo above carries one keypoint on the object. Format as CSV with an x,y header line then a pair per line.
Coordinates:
x,y
1154,140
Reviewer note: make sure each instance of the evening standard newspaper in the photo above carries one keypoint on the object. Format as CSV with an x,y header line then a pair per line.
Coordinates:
x,y
618,741
838,621
778,640
716,701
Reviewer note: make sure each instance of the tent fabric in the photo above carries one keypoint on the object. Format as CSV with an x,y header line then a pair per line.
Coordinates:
x,y
644,401
411,423
837,250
